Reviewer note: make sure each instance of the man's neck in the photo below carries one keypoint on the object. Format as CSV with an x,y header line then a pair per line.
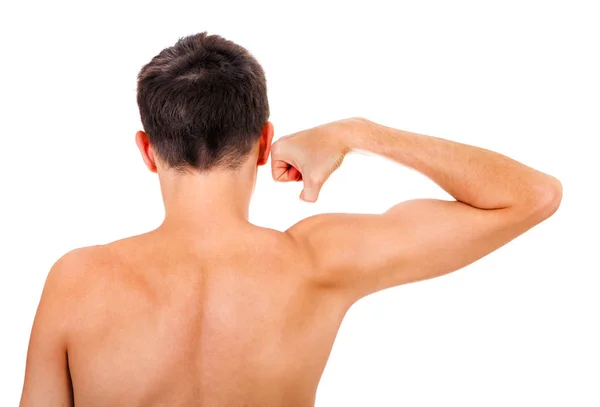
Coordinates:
x,y
201,201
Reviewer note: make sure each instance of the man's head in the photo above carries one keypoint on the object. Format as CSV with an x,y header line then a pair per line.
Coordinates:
x,y
203,104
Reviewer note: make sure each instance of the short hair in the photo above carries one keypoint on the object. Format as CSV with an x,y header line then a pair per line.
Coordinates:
x,y
203,103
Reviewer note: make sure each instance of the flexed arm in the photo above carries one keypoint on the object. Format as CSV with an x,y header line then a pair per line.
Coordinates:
x,y
497,199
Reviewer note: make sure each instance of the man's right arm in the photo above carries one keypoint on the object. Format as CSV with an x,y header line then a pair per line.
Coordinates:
x,y
497,199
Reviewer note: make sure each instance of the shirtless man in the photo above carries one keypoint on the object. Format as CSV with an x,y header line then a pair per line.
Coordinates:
x,y
210,310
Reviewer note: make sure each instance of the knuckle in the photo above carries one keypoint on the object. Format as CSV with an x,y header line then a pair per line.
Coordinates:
x,y
275,148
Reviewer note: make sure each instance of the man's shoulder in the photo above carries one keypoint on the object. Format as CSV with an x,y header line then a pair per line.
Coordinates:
x,y
82,255
76,265
83,275
88,258
69,279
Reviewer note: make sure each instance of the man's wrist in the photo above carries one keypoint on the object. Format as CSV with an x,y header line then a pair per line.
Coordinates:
x,y
363,135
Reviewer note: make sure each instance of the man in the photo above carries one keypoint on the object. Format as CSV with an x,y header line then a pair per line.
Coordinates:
x,y
210,310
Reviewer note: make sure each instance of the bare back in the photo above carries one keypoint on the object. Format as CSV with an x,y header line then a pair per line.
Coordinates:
x,y
215,311
219,320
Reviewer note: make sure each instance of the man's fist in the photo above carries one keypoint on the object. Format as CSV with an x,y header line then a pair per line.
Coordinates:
x,y
312,155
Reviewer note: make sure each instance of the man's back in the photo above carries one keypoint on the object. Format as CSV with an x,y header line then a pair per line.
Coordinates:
x,y
229,317
211,310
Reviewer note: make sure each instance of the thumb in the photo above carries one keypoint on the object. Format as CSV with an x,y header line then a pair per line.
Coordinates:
x,y
311,190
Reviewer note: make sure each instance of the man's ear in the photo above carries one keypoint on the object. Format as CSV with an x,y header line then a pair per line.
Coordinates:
x,y
143,143
265,143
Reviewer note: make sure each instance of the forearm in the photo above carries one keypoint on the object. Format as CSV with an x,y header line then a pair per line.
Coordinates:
x,y
473,175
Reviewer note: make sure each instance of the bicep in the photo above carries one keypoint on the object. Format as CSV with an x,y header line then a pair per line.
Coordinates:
x,y
413,241
47,380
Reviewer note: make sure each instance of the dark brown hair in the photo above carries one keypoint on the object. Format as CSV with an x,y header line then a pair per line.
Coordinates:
x,y
203,103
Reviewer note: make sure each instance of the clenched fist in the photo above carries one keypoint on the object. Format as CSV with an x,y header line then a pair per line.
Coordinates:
x,y
312,155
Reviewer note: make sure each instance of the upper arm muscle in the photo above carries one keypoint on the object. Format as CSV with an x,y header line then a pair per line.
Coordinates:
x,y
415,240
47,379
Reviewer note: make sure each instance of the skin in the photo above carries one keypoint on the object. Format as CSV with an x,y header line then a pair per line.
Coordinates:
x,y
211,310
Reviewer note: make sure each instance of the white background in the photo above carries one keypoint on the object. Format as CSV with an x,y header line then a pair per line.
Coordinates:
x,y
517,328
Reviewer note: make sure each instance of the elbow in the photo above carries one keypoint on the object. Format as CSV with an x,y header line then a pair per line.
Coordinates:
x,y
548,197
